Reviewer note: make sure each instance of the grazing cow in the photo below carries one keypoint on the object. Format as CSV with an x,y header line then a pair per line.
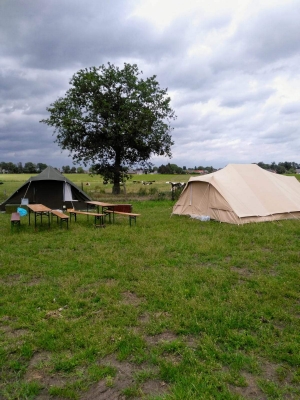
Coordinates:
x,y
175,186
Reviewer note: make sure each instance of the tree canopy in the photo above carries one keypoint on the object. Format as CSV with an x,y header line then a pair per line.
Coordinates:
x,y
113,119
170,169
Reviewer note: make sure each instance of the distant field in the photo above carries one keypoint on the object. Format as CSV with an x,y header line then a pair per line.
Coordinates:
x,y
93,185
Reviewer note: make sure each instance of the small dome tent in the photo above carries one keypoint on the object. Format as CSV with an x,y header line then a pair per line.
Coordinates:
x,y
239,194
50,188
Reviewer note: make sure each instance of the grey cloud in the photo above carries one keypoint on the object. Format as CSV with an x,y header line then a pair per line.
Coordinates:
x,y
279,133
239,98
272,34
16,84
291,108
60,34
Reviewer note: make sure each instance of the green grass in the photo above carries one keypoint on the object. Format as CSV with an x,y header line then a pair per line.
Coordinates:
x,y
171,308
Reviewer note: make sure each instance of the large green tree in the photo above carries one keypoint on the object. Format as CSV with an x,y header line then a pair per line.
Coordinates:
x,y
113,119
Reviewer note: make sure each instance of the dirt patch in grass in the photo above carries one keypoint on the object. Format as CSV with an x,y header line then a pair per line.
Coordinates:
x,y
154,388
275,373
53,314
174,359
5,329
12,279
272,272
251,391
15,279
14,333
8,330
130,298
279,374
37,372
242,271
101,391
269,371
113,388
111,282
266,250
162,337
34,281
162,314
145,318
191,341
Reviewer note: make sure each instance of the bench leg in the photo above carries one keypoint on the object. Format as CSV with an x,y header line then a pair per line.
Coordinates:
x,y
74,215
66,220
101,221
130,218
15,223
107,214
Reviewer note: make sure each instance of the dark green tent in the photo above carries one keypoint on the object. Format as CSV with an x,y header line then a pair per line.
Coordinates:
x,y
50,188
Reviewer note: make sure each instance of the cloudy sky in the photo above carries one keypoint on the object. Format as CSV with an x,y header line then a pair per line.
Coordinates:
x,y
232,69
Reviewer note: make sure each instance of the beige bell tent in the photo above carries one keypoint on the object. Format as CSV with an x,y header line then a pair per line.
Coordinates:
x,y
241,193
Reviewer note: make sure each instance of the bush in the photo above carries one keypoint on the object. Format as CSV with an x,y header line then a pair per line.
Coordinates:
x,y
142,191
153,191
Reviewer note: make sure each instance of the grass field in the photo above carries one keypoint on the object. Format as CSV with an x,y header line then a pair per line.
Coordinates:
x,y
171,308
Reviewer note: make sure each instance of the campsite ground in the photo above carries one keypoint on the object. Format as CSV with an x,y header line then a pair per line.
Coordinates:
x,y
171,308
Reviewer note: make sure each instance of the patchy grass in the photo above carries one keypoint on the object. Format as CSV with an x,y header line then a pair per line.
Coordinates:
x,y
171,308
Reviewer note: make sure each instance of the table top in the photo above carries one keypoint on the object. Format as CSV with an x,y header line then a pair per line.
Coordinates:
x,y
100,203
38,208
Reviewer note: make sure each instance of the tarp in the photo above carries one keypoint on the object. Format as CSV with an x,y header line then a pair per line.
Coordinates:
x,y
50,188
22,211
241,193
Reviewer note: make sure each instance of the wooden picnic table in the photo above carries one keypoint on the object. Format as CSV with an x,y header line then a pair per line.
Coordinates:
x,y
99,204
110,208
39,210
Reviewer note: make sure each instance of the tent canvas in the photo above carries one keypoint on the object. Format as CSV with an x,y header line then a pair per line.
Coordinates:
x,y
67,192
50,188
241,193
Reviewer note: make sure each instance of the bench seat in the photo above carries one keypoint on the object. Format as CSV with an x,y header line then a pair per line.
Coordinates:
x,y
59,215
132,216
97,216
15,220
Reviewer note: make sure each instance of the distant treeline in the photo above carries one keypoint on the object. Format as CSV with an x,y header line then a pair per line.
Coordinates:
x,y
31,168
285,167
175,169
280,168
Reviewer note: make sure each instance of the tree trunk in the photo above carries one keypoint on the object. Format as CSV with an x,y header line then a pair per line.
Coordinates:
x,y
117,175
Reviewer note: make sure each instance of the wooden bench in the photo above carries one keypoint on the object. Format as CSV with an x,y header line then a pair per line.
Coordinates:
x,y
15,220
132,216
108,210
59,215
98,217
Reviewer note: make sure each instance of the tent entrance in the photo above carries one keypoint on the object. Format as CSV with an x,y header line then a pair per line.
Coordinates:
x,y
67,192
